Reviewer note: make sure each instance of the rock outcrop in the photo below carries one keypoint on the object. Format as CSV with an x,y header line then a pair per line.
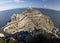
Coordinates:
x,y
28,20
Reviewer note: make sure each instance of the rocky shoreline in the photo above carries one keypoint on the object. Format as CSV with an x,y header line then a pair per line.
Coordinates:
x,y
30,25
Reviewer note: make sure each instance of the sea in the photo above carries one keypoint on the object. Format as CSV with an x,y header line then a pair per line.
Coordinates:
x,y
6,15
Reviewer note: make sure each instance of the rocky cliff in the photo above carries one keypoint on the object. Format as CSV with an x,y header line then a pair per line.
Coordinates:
x,y
28,20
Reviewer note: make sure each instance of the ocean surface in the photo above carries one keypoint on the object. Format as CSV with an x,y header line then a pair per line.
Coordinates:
x,y
5,15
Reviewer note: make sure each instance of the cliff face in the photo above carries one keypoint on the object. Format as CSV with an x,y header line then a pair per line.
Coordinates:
x,y
28,20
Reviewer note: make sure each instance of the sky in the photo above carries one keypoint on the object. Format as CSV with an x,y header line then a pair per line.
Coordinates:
x,y
12,4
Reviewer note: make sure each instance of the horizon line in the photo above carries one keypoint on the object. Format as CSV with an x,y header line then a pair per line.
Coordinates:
x,y
30,7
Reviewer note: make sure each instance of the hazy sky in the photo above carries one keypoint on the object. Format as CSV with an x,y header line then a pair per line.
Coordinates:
x,y
11,4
